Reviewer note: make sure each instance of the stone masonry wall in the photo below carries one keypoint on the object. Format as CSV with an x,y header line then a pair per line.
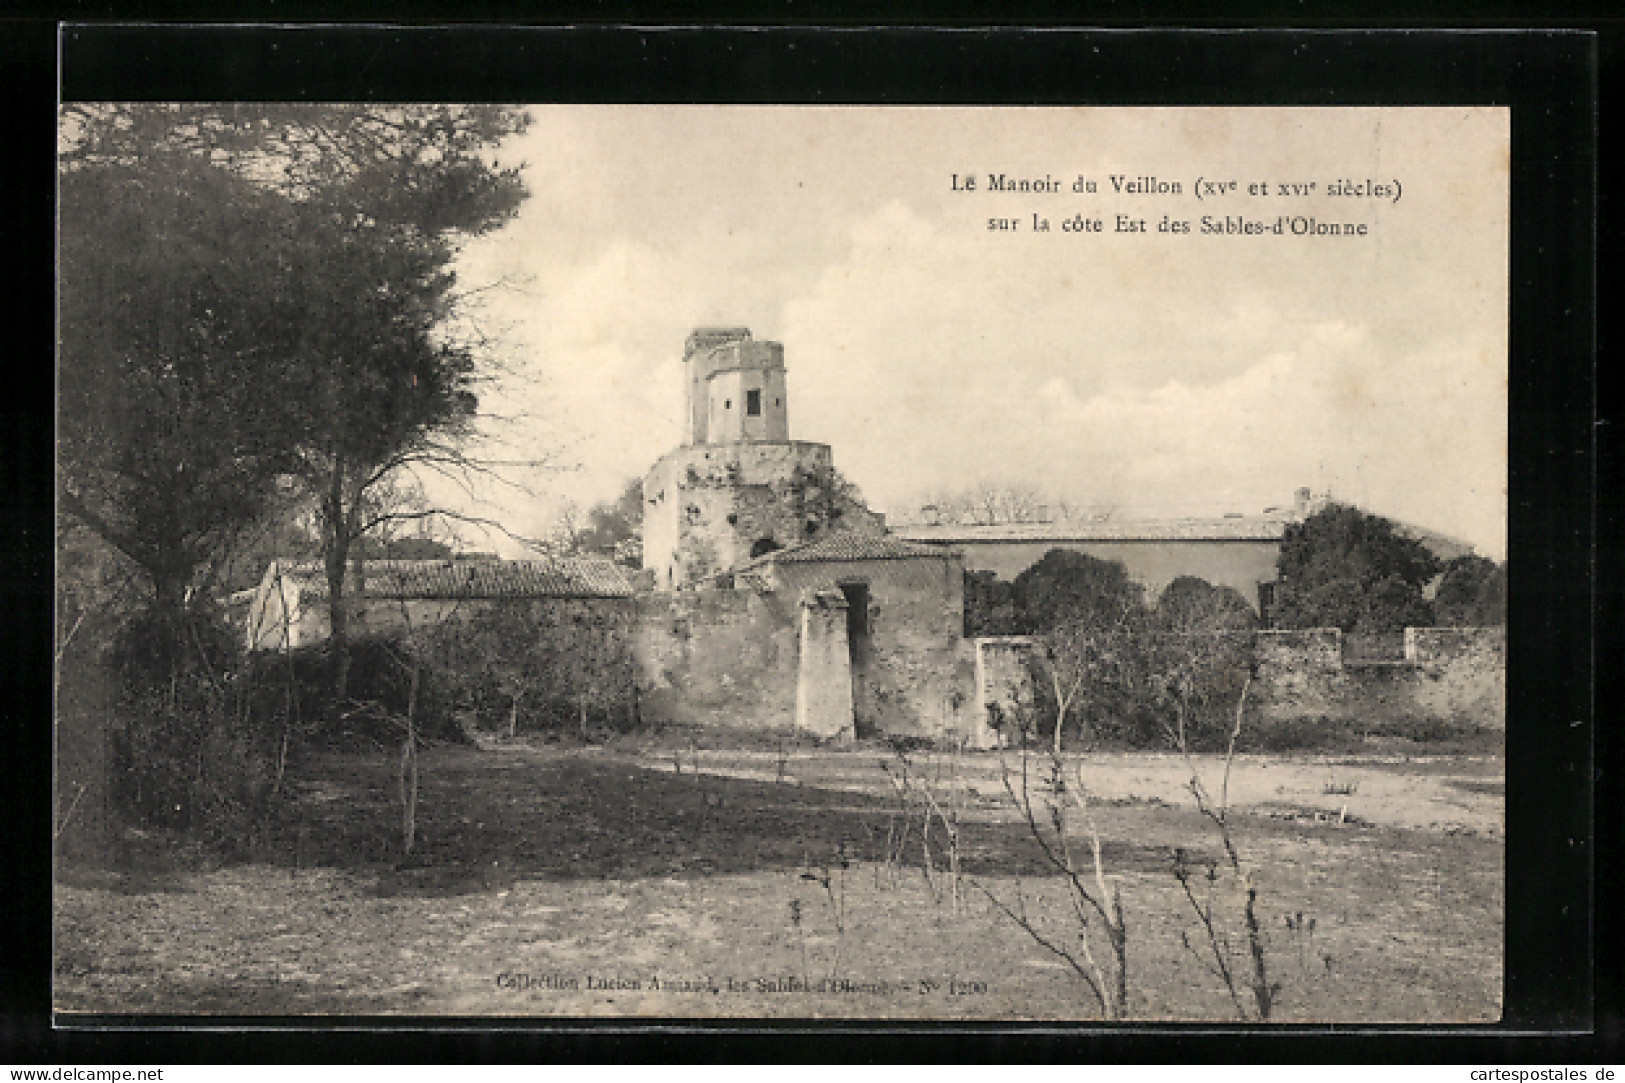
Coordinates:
x,y
706,507
1300,671
915,677
551,616
1453,674
717,657
1004,685
1460,672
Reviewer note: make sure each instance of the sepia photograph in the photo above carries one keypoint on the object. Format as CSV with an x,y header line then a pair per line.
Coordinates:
x,y
745,562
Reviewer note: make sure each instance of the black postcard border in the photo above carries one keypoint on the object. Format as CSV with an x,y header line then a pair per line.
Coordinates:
x,y
1554,963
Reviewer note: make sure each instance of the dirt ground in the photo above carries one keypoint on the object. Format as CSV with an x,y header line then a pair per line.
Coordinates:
x,y
600,881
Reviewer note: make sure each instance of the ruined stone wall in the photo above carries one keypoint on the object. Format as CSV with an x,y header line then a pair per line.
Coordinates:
x,y
913,677
824,678
377,615
706,507
1004,686
717,657
560,618
577,651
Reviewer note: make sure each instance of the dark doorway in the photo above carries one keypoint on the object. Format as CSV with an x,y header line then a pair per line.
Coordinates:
x,y
857,642
1266,605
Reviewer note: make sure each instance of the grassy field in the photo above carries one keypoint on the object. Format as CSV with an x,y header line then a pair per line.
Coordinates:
x,y
640,880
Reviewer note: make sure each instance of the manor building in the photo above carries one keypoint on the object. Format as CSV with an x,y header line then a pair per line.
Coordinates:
x,y
771,596
738,487
782,598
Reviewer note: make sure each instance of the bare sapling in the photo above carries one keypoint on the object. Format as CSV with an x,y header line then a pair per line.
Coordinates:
x,y
1080,653
406,765
833,881
947,813
1217,810
918,800
897,828
410,659
1095,902
796,911
62,821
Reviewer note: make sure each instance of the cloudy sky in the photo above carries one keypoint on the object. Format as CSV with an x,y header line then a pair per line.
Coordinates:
x,y
1154,373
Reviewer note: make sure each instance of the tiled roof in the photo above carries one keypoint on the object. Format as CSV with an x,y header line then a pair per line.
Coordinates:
x,y
1250,528
845,547
1442,546
564,577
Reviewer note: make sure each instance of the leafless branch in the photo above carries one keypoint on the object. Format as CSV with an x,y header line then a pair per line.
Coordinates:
x,y
1044,942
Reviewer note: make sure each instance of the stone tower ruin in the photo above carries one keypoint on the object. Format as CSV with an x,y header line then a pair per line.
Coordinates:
x,y
739,487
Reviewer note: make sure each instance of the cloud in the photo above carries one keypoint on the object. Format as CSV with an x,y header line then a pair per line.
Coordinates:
x,y
931,361
1162,374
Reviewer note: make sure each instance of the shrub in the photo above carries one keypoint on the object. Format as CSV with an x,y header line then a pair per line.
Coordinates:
x,y
186,753
543,666
300,680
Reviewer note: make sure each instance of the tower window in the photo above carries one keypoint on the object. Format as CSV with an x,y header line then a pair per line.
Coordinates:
x,y
753,403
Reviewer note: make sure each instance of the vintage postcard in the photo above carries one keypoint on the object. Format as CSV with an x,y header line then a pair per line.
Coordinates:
x,y
702,562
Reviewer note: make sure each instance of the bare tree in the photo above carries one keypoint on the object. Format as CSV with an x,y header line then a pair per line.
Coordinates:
x,y
1217,810
1083,653
1095,913
989,503
1201,661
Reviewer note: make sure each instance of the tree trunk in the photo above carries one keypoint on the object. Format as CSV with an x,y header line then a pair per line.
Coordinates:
x,y
169,609
169,595
409,768
1060,712
338,605
339,629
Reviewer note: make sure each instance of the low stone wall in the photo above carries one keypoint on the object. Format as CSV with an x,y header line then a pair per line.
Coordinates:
x,y
1300,671
566,659
1451,674
1460,671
